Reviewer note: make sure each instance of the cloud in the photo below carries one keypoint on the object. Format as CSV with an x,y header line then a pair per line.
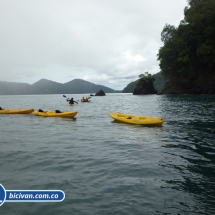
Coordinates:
x,y
104,42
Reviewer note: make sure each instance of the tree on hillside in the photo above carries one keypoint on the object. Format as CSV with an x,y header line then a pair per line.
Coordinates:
x,y
147,77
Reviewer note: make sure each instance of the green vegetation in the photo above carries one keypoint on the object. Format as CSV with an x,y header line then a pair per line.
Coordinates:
x,y
147,77
189,49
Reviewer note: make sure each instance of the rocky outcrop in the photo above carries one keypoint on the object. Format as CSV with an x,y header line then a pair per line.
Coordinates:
x,y
144,87
100,93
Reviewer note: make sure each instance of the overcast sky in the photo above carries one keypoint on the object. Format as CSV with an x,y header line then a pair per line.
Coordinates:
x,y
108,42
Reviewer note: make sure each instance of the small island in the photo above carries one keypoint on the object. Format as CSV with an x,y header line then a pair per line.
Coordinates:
x,y
145,85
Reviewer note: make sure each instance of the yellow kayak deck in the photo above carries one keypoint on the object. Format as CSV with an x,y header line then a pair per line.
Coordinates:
x,y
54,114
19,111
137,120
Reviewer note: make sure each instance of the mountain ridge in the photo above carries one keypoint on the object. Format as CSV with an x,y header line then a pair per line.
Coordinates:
x,y
45,86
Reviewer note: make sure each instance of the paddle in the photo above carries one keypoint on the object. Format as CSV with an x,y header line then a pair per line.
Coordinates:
x,y
69,99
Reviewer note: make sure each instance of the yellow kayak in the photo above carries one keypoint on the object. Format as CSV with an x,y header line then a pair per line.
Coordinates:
x,y
20,111
137,120
85,100
71,104
55,114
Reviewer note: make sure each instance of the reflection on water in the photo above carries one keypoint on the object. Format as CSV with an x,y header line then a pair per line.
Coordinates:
x,y
190,150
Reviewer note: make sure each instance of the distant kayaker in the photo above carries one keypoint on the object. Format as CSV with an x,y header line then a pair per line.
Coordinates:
x,y
84,100
71,101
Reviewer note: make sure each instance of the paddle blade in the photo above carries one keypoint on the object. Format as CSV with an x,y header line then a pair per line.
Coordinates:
x,y
64,96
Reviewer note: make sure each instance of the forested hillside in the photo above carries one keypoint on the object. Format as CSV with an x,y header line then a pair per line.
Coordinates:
x,y
187,59
130,87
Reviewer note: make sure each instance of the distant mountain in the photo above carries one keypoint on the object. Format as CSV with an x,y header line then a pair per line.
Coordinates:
x,y
130,87
81,86
44,86
10,88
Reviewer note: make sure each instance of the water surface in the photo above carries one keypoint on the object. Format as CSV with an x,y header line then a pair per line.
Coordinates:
x,y
105,167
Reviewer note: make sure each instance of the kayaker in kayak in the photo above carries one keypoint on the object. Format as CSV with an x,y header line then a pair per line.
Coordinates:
x,y
84,100
71,101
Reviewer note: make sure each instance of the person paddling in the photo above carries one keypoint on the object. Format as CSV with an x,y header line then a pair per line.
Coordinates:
x,y
71,101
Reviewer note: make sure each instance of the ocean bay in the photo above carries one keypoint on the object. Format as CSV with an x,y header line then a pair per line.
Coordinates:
x,y
105,167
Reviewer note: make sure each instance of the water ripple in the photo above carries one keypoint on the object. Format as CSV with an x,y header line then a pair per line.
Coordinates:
x,y
105,167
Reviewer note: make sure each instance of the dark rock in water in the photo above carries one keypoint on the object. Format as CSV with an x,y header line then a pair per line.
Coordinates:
x,y
100,93
144,87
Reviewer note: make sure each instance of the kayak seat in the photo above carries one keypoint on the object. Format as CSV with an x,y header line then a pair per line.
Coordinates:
x,y
40,110
0,108
57,111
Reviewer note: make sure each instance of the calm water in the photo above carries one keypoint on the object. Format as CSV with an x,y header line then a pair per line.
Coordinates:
x,y
106,167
